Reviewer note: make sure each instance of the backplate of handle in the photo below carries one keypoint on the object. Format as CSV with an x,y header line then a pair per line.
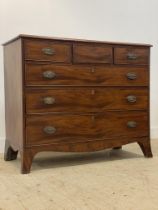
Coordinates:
x,y
131,98
131,124
131,76
49,129
48,100
132,56
49,74
48,51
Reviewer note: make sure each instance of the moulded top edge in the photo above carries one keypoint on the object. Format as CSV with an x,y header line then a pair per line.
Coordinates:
x,y
74,40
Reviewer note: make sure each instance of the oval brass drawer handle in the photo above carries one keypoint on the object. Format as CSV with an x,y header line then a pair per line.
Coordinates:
x,y
49,130
131,76
48,51
49,74
131,124
48,100
132,56
131,98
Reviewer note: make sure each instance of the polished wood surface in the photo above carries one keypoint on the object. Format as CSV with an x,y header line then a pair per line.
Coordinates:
x,y
85,75
74,40
34,50
87,53
131,55
75,96
13,96
81,128
87,146
91,99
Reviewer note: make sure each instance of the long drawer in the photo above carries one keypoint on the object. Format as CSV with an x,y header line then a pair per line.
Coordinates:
x,y
85,99
47,129
52,74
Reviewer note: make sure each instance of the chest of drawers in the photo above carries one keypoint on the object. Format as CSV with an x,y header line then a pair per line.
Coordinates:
x,y
74,96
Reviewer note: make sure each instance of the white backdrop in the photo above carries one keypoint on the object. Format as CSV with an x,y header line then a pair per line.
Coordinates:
x,y
109,20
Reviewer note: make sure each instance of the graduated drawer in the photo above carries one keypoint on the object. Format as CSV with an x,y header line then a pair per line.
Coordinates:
x,y
47,51
131,55
85,99
47,129
53,74
92,53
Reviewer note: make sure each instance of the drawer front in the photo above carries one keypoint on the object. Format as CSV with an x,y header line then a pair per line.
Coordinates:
x,y
88,53
47,51
131,55
52,74
85,99
49,129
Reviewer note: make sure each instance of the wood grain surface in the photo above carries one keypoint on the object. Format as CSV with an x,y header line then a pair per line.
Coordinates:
x,y
93,99
88,53
34,51
13,95
79,75
77,128
75,96
138,55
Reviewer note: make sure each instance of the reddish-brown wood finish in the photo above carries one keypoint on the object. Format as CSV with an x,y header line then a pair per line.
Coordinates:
x,y
34,51
13,95
81,128
138,55
85,75
89,109
88,146
90,99
72,40
87,53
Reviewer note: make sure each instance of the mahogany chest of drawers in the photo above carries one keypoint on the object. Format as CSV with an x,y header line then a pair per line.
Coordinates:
x,y
74,96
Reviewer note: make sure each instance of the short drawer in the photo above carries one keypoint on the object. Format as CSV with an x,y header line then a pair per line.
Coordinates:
x,y
131,55
47,51
52,74
90,53
49,129
85,99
